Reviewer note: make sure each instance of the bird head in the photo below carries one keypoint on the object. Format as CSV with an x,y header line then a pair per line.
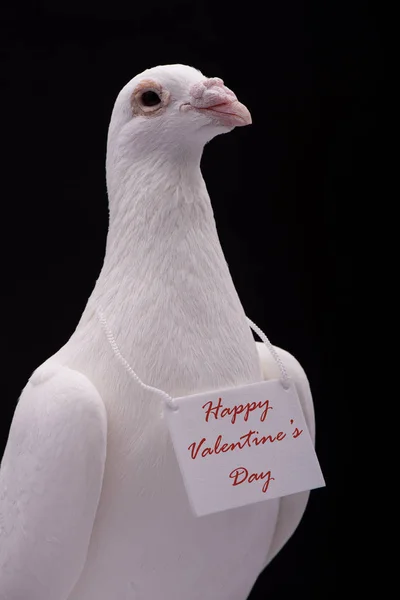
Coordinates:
x,y
170,108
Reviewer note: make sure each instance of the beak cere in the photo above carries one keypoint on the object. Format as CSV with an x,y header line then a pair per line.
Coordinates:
x,y
213,98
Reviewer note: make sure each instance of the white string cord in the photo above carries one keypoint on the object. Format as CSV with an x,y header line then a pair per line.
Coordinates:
x,y
285,377
168,399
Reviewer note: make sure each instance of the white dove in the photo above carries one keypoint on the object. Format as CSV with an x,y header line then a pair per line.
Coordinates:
x,y
92,501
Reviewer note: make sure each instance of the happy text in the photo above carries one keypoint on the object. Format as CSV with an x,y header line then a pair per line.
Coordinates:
x,y
219,412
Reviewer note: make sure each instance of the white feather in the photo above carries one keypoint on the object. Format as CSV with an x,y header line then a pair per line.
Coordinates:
x,y
170,302
50,481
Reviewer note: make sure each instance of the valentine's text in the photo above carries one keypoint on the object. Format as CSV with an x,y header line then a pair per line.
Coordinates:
x,y
234,416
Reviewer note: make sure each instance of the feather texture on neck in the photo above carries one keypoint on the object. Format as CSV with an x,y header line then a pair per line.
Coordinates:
x,y
165,286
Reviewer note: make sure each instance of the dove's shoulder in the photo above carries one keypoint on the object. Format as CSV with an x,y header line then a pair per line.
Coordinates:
x,y
50,481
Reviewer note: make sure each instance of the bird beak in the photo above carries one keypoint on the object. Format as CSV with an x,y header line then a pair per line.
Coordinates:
x,y
231,114
213,98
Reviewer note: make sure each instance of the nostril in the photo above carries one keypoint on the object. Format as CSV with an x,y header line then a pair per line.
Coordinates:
x,y
210,92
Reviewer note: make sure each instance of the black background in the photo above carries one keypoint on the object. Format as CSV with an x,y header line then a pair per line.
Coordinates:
x,y
282,190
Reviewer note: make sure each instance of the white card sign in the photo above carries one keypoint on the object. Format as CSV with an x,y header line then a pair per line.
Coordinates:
x,y
242,445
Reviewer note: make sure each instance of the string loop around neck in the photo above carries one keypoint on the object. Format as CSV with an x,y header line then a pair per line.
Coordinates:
x,y
167,398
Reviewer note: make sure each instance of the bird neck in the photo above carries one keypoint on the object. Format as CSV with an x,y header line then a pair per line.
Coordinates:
x,y
165,278
158,203
162,227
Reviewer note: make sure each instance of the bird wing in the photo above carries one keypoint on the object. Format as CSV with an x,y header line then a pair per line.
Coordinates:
x,y
291,508
50,481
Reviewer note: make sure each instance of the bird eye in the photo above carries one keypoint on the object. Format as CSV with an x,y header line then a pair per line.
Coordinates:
x,y
150,98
